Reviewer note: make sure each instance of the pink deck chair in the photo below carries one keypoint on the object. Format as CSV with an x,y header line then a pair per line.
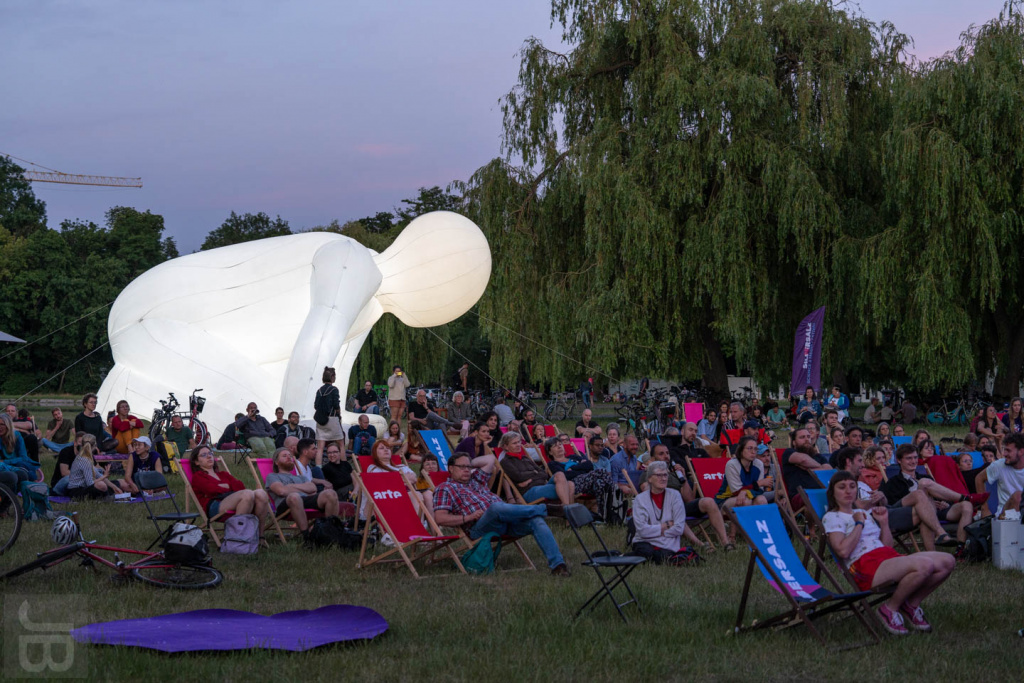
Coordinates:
x,y
206,522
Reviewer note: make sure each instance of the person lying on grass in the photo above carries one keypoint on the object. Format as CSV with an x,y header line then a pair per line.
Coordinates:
x,y
466,501
218,490
950,506
919,509
862,539
288,489
531,478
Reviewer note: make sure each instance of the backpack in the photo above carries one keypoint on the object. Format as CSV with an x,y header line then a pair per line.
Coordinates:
x,y
35,497
685,557
186,545
327,532
321,408
241,535
361,443
481,558
978,546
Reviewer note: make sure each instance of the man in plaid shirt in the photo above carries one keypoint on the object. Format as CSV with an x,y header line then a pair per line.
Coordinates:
x,y
466,501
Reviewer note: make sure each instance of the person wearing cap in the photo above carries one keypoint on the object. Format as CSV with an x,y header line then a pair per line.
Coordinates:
x,y
142,459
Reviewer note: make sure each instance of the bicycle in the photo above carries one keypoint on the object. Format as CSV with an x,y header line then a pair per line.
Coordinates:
x,y
163,415
151,568
10,518
563,406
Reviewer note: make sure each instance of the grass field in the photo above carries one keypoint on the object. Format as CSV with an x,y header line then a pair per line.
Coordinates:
x,y
513,625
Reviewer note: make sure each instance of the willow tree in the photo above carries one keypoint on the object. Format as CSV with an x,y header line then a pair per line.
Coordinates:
x,y
673,183
941,280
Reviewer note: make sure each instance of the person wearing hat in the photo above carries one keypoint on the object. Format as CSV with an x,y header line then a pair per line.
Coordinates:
x,y
142,459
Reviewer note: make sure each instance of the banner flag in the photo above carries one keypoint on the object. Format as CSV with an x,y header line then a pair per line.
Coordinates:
x,y
807,354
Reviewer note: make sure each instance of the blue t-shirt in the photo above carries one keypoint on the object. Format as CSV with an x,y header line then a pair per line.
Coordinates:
x,y
620,461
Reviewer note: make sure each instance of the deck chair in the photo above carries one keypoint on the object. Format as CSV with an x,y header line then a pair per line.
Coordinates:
x,y
729,438
824,476
767,537
898,441
437,443
391,506
206,523
602,561
946,472
580,444
281,520
146,481
707,474
815,506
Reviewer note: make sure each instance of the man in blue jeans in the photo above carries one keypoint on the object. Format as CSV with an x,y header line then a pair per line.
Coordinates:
x,y
466,501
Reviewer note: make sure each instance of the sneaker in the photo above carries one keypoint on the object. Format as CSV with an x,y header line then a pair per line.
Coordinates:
x,y
892,621
561,570
915,618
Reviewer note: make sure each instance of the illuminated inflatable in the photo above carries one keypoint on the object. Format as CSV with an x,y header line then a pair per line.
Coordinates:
x,y
259,321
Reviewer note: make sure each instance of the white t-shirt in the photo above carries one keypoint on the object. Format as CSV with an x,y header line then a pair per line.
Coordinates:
x,y
305,472
1010,480
870,535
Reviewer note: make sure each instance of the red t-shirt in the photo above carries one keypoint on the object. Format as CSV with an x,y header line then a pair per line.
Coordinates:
x,y
208,488
126,425
658,499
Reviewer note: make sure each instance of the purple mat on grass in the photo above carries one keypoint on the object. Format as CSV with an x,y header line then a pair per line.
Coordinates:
x,y
228,629
61,500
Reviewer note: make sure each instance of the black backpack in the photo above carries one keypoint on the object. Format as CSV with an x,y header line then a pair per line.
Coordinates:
x,y
321,407
328,532
978,546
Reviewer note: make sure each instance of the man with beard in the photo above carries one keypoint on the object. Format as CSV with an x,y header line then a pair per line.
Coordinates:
x,y
800,462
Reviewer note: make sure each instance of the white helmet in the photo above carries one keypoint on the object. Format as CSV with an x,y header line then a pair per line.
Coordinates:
x,y
64,531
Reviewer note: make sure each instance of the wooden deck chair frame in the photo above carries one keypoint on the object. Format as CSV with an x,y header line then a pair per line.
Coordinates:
x,y
397,553
805,613
206,522
280,516
505,540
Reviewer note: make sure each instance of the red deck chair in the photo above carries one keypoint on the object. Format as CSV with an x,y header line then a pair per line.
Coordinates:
x,y
550,431
729,438
206,523
708,475
391,506
261,468
945,471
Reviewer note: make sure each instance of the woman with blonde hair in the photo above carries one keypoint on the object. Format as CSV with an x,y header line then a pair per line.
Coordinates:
x,y
85,479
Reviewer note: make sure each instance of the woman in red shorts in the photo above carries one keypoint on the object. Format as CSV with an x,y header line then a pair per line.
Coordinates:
x,y
863,540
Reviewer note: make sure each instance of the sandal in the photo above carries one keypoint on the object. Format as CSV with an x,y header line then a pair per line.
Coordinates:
x,y
946,541
729,547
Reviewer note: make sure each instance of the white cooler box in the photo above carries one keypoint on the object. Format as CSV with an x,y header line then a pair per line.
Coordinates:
x,y
1008,544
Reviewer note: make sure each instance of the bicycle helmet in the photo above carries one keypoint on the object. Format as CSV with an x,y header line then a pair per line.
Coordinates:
x,y
64,531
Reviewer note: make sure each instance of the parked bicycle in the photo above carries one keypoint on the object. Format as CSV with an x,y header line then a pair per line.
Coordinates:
x,y
563,406
958,411
10,518
151,567
163,415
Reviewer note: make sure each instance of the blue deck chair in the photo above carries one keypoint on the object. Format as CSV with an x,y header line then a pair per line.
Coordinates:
x,y
824,476
437,443
773,553
977,461
898,441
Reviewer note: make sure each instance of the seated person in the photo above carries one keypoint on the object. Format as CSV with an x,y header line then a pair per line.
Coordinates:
x,y
538,435
85,480
142,460
901,518
528,425
460,413
950,505
465,501
292,428
422,417
809,408
89,421
888,452
258,433
279,420
477,444
25,425
776,418
288,489
338,471
366,400
15,465
659,517
863,540
707,429
380,456
504,413
882,432
745,481
230,435
871,413
836,441
304,453
800,461
396,439
818,441
871,473
218,491
125,427
626,460
579,469
429,464
362,435
529,477
60,433
1008,473
965,461
62,471
181,435
587,427
695,507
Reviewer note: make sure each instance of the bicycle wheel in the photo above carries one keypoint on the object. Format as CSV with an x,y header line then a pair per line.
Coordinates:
x,y
45,559
157,429
10,518
183,577
549,411
200,432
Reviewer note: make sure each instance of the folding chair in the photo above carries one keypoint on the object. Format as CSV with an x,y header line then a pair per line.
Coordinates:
x,y
206,523
392,508
824,476
766,535
261,468
437,443
621,565
146,481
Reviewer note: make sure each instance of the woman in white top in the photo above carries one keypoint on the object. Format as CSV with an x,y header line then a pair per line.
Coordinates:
x,y
864,541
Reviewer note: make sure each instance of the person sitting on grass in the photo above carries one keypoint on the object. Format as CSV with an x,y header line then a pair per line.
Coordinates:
x,y
396,439
919,512
362,435
951,506
288,489
745,481
587,427
659,516
380,457
218,490
863,540
466,501
60,433
258,433
460,413
529,477
142,460
62,470
338,471
15,465
809,408
86,480
477,444
125,427
695,507
777,417
626,460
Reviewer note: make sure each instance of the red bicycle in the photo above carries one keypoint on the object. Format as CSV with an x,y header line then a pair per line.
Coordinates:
x,y
150,567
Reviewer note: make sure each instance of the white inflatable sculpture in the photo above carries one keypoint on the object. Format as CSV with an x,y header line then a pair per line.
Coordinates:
x,y
259,321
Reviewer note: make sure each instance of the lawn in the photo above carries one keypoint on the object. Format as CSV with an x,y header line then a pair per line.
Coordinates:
x,y
515,625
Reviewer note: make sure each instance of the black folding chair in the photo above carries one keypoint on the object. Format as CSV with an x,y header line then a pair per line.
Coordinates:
x,y
148,481
620,565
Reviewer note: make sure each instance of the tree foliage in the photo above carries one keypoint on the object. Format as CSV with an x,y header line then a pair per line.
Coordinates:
x,y
245,228
21,213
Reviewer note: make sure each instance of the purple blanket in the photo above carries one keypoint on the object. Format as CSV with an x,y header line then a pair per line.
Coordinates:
x,y
62,500
228,629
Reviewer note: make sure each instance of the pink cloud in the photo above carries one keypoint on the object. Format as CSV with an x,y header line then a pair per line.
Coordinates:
x,y
385,149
